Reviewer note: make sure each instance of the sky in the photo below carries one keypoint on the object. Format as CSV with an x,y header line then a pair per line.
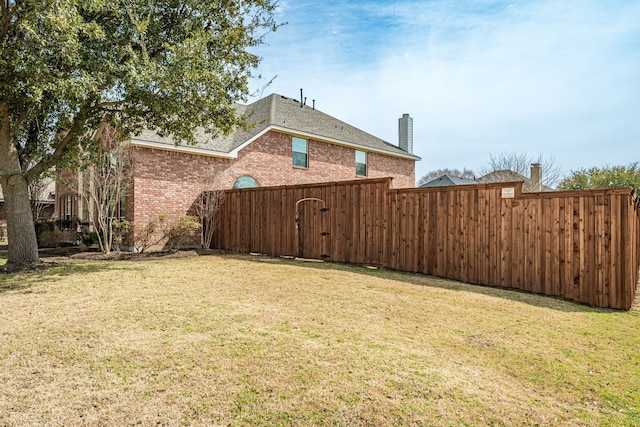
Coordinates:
x,y
558,78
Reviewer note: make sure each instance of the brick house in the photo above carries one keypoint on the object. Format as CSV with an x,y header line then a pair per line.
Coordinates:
x,y
42,204
288,143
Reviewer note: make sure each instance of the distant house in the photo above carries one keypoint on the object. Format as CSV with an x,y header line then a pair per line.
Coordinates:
x,y
530,185
43,203
533,184
288,143
446,180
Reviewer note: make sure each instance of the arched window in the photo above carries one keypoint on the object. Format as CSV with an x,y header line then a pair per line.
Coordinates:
x,y
245,182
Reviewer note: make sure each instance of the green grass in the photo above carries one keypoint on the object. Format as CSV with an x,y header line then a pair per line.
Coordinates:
x,y
230,340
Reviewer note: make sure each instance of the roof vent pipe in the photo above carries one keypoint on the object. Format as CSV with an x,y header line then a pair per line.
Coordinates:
x,y
314,104
405,133
301,100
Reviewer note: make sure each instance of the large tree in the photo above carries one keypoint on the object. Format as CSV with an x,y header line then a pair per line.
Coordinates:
x,y
604,177
66,66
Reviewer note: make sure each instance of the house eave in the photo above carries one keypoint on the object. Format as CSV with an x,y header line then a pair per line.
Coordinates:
x,y
182,149
233,154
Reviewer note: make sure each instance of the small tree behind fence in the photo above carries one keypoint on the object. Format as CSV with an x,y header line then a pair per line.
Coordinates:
x,y
37,195
208,205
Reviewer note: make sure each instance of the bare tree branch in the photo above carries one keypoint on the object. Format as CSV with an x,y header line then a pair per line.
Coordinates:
x,y
208,205
520,163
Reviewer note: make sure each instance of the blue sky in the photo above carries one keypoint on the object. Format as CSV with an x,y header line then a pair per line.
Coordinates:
x,y
557,78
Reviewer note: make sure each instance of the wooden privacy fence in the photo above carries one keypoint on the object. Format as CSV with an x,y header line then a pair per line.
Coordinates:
x,y
579,245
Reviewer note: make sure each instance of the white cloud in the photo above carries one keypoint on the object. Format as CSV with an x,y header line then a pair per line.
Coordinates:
x,y
538,76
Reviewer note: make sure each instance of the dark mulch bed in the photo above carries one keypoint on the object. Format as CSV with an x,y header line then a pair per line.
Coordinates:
x,y
127,256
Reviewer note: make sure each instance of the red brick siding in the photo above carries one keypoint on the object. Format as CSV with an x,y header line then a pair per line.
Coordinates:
x,y
168,182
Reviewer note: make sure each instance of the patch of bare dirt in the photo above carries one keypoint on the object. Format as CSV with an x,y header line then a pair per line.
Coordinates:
x,y
10,268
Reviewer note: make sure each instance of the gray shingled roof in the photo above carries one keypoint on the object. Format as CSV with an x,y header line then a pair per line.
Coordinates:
x,y
445,180
506,175
284,114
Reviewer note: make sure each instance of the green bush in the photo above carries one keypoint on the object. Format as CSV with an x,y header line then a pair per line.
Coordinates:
x,y
50,239
176,232
181,230
86,237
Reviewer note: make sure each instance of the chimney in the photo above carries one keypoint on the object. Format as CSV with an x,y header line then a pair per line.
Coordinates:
x,y
405,133
535,180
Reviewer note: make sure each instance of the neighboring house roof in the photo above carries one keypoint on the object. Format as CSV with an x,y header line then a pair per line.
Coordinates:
x,y
445,180
277,112
507,175
47,195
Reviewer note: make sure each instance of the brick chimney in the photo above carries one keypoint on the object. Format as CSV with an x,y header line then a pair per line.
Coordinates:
x,y
535,180
405,133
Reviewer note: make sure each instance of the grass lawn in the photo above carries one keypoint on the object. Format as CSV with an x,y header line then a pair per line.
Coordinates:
x,y
233,340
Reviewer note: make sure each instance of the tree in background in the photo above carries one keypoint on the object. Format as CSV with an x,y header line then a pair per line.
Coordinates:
x,y
38,194
521,163
67,66
605,177
104,185
430,176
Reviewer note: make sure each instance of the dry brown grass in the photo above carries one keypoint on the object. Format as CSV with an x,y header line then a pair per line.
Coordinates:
x,y
225,340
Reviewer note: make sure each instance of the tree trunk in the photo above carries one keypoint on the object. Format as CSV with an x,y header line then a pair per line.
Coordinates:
x,y
21,233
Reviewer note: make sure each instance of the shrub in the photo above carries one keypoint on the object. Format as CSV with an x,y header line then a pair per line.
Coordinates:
x,y
176,232
181,230
120,228
50,239
86,237
151,234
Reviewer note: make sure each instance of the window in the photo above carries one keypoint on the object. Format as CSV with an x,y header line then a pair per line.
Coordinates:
x,y
66,220
245,182
361,163
121,206
68,208
299,148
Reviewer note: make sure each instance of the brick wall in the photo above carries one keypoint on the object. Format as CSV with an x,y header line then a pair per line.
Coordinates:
x,y
169,182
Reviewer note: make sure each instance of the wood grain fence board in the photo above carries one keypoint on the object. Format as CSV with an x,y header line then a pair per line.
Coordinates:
x,y
554,272
625,247
471,248
563,222
590,250
600,246
432,234
614,295
578,249
485,237
529,245
517,244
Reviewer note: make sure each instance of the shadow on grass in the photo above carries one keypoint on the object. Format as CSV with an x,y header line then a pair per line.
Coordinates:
x,y
23,281
537,300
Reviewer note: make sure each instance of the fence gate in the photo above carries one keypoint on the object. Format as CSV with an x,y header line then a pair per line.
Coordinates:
x,y
312,228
